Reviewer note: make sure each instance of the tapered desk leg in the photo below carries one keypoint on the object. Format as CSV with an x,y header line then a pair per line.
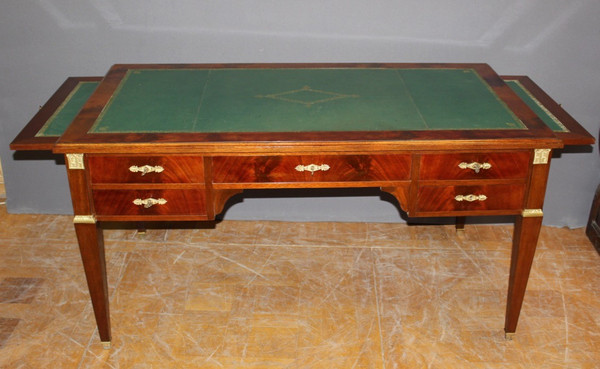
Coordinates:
x,y
91,246
91,242
525,239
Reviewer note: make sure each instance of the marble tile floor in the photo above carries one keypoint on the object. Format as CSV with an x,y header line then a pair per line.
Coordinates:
x,y
296,295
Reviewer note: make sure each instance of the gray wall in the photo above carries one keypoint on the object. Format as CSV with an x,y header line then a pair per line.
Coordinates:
x,y
555,42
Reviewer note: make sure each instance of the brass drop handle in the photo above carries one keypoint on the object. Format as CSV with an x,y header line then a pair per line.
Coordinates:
x,y
475,166
145,169
470,198
149,202
312,168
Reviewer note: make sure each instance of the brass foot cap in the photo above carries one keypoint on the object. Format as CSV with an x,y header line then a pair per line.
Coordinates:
x,y
509,336
106,345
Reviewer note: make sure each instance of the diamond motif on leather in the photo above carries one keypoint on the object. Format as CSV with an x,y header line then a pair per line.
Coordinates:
x,y
307,96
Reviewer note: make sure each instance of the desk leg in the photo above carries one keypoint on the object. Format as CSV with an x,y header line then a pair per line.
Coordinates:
x,y
527,230
91,246
460,223
525,239
91,242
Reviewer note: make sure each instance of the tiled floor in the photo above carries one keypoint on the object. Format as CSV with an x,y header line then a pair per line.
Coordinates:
x,y
296,295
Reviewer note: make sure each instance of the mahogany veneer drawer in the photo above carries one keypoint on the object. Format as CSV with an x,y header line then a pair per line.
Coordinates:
x,y
470,198
146,169
150,202
311,168
509,165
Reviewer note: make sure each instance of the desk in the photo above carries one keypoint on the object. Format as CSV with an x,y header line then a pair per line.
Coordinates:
x,y
175,142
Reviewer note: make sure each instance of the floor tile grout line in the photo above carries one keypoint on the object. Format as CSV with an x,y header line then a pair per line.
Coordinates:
x,y
564,307
378,307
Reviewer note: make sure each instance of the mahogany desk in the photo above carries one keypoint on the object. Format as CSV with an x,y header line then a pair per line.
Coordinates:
x,y
175,142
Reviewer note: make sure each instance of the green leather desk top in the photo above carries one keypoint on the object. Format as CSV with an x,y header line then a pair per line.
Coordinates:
x,y
295,100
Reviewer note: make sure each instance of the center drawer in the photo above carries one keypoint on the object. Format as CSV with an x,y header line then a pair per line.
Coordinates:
x,y
311,168
146,169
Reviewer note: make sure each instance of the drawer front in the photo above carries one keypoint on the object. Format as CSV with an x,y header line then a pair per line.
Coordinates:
x,y
470,198
326,168
512,165
146,169
150,202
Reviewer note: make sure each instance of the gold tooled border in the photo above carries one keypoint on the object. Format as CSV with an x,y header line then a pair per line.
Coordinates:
x,y
540,105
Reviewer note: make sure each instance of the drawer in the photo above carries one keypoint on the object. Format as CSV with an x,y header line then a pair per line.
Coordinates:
x,y
311,168
146,169
470,198
150,202
509,165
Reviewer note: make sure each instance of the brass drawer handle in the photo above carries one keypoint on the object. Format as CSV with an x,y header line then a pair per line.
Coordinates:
x,y
475,166
312,168
470,198
149,202
145,169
